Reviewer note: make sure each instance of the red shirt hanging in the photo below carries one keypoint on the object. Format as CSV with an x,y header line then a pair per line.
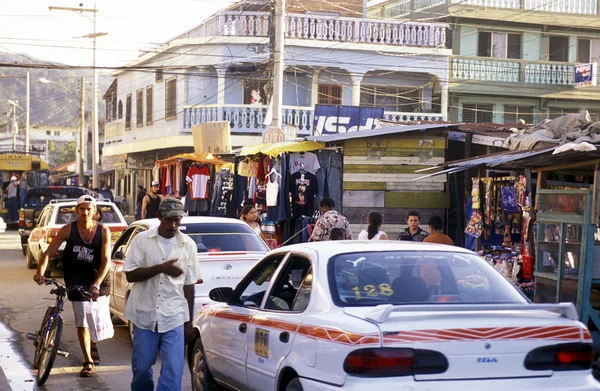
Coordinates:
x,y
197,179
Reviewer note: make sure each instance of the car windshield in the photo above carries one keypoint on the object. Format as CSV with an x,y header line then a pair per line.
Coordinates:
x,y
38,199
67,214
411,277
215,237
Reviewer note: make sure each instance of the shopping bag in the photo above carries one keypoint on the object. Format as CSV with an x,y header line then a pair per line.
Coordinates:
x,y
99,319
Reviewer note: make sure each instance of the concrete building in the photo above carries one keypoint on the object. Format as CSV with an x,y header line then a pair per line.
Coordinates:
x,y
512,59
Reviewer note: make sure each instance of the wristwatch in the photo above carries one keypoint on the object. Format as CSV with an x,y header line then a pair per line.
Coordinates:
x,y
96,286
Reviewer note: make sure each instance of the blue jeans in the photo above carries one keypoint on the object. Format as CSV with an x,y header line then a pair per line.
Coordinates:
x,y
146,346
329,177
13,210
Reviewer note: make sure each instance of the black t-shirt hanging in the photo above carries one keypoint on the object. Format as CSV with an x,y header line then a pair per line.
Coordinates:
x,y
303,186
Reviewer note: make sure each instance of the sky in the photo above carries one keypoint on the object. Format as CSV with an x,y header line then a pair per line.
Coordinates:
x,y
28,27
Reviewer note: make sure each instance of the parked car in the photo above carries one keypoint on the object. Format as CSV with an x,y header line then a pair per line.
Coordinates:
x,y
385,315
227,249
54,216
37,198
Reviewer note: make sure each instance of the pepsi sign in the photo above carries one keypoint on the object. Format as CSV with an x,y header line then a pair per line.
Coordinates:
x,y
342,119
586,75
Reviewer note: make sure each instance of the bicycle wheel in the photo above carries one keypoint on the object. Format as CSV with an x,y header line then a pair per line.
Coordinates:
x,y
48,354
39,341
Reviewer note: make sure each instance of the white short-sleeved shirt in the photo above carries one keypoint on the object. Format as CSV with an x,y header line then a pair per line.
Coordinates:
x,y
364,235
308,161
159,302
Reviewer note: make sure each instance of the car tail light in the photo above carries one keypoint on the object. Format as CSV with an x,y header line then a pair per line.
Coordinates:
x,y
51,235
562,357
21,219
388,362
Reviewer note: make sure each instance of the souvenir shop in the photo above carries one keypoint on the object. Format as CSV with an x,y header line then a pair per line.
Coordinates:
x,y
538,223
285,182
199,179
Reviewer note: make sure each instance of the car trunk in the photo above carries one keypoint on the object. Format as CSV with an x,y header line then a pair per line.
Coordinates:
x,y
485,345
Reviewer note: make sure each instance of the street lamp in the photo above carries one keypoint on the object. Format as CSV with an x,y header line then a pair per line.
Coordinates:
x,y
43,80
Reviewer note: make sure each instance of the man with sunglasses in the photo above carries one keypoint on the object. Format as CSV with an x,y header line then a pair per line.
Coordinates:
x,y
151,202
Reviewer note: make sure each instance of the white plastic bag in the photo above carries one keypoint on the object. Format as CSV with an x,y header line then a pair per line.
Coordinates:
x,y
99,319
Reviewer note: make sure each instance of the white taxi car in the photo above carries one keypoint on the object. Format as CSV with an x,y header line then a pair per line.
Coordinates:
x,y
227,249
385,315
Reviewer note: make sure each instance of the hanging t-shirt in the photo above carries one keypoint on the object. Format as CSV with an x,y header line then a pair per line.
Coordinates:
x,y
303,188
308,161
260,196
197,178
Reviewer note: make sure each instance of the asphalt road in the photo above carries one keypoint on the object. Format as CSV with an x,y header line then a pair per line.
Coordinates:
x,y
22,306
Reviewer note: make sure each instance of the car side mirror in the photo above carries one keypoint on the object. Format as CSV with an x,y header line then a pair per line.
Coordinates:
x,y
220,295
119,254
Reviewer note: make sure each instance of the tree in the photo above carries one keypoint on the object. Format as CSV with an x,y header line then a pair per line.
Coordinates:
x,y
62,152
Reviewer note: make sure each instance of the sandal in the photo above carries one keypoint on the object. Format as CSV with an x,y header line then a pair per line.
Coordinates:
x,y
95,355
88,369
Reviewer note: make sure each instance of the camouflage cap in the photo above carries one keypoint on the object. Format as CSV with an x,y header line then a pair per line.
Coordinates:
x,y
171,207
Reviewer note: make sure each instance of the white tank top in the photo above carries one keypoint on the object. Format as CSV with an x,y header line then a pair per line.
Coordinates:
x,y
364,235
272,192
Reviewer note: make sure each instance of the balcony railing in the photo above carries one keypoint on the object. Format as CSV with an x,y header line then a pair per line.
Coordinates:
x,y
250,118
402,8
512,71
247,118
325,28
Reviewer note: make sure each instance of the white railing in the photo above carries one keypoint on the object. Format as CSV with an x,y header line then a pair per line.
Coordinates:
x,y
325,28
512,71
485,69
550,73
582,7
247,118
412,117
113,129
510,4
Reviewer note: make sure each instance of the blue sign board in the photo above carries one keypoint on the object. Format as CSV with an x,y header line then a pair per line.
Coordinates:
x,y
331,119
586,75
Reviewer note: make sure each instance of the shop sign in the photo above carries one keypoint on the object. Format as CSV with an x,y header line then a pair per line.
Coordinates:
x,y
586,75
273,135
212,137
140,161
113,162
331,119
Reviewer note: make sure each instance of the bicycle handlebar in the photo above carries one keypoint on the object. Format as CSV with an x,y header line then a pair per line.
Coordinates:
x,y
62,287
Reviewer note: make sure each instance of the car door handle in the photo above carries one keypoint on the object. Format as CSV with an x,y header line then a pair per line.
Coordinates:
x,y
243,328
284,337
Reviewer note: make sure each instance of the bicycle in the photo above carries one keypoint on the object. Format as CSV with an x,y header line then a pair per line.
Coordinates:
x,y
47,339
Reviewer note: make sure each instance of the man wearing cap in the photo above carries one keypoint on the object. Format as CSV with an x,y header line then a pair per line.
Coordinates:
x,y
12,204
85,260
163,267
151,202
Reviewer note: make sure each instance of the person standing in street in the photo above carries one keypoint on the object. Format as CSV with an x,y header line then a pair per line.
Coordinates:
x,y
163,267
413,220
22,189
12,203
329,219
85,260
141,193
436,226
151,202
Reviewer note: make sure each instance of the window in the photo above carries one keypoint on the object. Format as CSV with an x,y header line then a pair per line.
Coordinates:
x,y
584,48
68,214
559,49
48,133
513,114
121,243
416,277
171,99
251,290
391,98
555,112
499,45
149,105
477,113
113,100
128,112
139,108
330,94
120,110
158,76
291,291
255,92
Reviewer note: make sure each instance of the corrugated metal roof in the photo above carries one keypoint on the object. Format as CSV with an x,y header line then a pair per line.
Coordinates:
x,y
496,159
378,132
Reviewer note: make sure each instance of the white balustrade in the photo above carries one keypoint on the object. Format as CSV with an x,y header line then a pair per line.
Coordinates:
x,y
412,117
550,73
510,4
582,7
247,118
492,69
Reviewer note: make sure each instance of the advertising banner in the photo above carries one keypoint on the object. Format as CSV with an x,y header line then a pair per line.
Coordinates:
x,y
586,75
341,119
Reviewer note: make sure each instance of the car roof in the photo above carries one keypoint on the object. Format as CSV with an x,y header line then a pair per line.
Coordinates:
x,y
151,223
327,249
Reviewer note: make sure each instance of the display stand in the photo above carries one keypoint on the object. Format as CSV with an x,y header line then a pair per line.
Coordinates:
x,y
564,250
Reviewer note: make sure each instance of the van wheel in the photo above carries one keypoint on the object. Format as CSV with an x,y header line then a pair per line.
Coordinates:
x,y
294,385
31,263
202,379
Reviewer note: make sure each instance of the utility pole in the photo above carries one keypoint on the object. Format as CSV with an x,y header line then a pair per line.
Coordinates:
x,y
95,141
82,145
15,125
27,116
278,60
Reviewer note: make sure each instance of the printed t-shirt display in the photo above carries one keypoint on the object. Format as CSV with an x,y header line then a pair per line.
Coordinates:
x,y
197,179
307,160
303,188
